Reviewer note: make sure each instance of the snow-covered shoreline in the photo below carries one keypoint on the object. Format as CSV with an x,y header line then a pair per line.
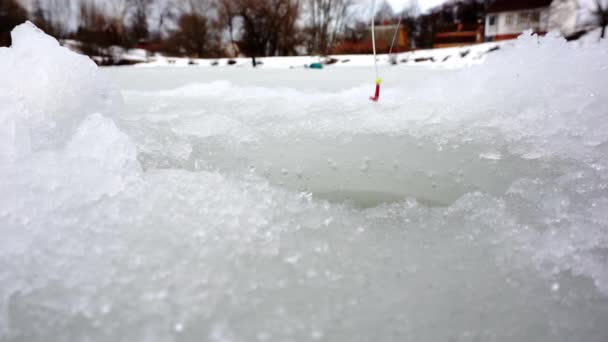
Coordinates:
x,y
450,58
454,57
446,57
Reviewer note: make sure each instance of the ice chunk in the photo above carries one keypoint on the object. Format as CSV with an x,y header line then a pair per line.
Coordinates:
x,y
491,155
98,139
32,116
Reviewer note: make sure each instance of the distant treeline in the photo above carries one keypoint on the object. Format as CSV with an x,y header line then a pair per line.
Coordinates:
x,y
215,28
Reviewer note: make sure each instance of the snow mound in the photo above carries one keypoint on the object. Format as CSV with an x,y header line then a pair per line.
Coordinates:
x,y
39,118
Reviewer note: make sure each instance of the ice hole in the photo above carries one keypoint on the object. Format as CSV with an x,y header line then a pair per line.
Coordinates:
x,y
367,170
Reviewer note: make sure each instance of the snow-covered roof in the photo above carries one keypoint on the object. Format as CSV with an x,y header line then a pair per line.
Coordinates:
x,y
516,5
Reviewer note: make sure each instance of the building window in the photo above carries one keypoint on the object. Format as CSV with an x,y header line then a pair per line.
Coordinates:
x,y
522,18
535,16
492,20
509,19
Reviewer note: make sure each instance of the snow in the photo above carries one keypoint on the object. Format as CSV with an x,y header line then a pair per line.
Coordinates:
x,y
241,204
40,118
591,38
456,57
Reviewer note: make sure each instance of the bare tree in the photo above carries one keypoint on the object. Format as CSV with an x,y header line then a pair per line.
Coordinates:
x,y
227,14
119,10
92,17
41,19
326,20
197,34
165,10
409,17
600,12
413,9
256,26
11,15
286,35
97,32
54,16
139,22
192,36
266,27
200,7
384,12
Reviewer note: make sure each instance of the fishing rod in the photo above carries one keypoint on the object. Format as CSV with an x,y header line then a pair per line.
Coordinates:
x,y
376,96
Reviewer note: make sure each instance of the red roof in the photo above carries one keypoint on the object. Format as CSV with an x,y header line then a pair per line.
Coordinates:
x,y
517,5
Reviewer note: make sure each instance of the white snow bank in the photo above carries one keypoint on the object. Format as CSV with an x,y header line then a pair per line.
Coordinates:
x,y
57,154
446,58
591,38
34,118
214,242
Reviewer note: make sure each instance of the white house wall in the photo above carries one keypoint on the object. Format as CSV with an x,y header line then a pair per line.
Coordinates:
x,y
561,15
491,30
515,22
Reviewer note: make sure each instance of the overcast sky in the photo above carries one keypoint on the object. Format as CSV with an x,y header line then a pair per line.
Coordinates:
x,y
424,4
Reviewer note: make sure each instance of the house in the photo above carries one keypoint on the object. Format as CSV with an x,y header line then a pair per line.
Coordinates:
x,y
385,32
507,19
456,35
361,42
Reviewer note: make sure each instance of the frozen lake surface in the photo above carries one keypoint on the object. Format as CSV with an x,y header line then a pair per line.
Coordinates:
x,y
227,204
275,124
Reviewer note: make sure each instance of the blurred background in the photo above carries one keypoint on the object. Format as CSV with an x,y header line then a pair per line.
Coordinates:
x,y
118,32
